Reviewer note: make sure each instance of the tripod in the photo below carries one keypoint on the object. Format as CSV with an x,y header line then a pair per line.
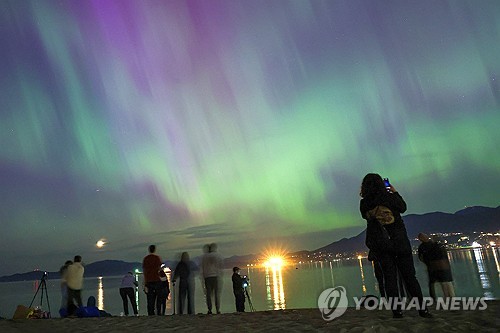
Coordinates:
x,y
42,285
252,309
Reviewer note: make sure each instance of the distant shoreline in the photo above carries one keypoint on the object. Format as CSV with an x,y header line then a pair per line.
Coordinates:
x,y
37,275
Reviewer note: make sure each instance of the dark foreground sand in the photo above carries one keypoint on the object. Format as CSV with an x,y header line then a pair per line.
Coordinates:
x,y
301,320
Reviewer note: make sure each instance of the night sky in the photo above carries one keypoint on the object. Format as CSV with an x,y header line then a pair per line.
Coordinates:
x,y
248,123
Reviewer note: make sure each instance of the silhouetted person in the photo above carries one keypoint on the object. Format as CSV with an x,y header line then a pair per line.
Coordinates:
x,y
211,266
64,286
127,290
151,265
379,275
184,271
238,290
164,292
90,310
74,280
435,257
205,249
386,236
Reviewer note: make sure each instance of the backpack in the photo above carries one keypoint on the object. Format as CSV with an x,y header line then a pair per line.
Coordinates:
x,y
382,214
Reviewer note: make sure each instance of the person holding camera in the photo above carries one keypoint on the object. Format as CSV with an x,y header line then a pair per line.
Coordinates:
x,y
238,290
163,292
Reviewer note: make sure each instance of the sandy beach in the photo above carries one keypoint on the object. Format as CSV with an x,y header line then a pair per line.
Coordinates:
x,y
301,320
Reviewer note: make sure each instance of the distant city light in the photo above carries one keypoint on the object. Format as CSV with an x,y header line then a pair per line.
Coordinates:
x,y
277,256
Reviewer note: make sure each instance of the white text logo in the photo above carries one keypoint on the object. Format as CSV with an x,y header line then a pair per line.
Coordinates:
x,y
448,304
332,303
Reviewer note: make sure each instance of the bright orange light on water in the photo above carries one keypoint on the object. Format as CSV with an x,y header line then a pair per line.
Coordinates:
x,y
275,261
275,256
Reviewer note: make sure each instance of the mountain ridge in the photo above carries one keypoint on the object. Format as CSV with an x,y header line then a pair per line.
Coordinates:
x,y
469,219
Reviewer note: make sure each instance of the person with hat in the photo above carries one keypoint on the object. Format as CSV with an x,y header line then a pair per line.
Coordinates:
x,y
238,290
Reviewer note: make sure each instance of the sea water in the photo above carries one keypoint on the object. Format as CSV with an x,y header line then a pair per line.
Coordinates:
x,y
475,271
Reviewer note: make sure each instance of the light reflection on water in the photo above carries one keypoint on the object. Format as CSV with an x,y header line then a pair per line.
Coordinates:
x,y
363,284
476,273
277,300
331,273
100,294
483,276
496,262
376,288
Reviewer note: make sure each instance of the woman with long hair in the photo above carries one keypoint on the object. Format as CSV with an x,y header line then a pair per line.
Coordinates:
x,y
381,205
184,272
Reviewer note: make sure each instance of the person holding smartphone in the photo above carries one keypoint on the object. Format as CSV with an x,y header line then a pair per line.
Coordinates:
x,y
381,205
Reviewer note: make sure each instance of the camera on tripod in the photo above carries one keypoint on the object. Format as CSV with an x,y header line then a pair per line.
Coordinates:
x,y
42,285
244,281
